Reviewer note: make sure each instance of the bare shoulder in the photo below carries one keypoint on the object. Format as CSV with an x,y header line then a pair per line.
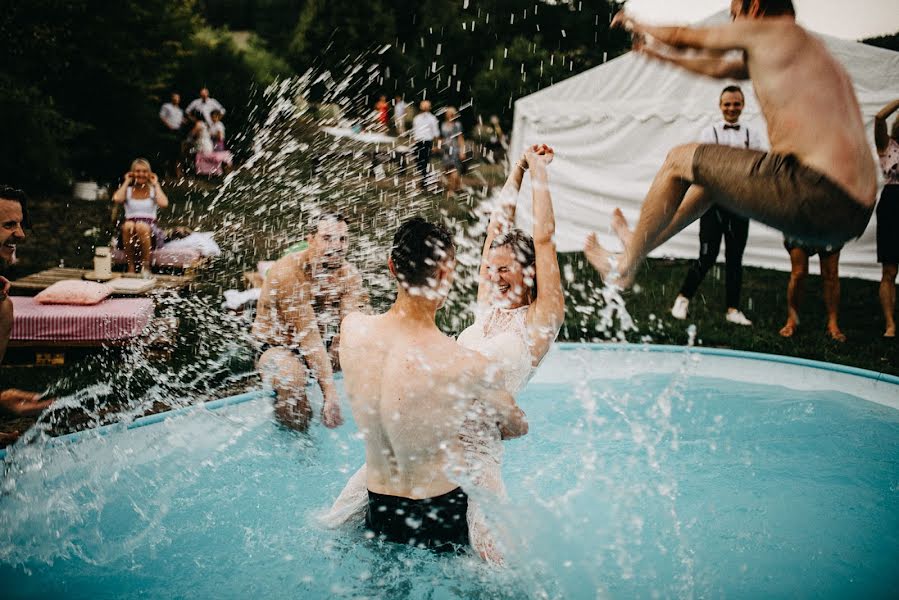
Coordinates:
x,y
287,270
355,326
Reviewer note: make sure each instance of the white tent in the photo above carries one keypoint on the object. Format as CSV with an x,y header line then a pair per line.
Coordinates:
x,y
613,125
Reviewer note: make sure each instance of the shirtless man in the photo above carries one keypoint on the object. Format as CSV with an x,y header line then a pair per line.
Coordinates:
x,y
13,221
817,183
303,299
410,389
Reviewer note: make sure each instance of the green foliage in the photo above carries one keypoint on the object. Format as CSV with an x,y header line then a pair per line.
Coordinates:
x,y
890,42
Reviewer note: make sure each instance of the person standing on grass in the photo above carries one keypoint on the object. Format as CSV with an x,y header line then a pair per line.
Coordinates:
x,y
830,274
452,145
719,222
13,221
399,114
888,213
425,129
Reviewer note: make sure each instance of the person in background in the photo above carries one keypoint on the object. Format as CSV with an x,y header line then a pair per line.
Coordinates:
x,y
888,213
830,274
217,132
399,114
13,221
382,108
452,144
425,129
497,143
173,121
142,196
202,107
719,222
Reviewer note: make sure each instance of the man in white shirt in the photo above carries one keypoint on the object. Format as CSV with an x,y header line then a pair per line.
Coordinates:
x,y
171,114
399,114
425,129
203,107
719,222
172,118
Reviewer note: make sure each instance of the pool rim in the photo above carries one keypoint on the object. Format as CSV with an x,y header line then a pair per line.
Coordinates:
x,y
153,419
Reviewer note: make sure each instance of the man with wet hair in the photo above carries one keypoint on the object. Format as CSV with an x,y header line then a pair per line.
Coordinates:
x,y
410,389
818,182
13,221
304,297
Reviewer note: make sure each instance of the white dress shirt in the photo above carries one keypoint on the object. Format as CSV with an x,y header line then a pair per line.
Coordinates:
x,y
205,108
172,115
737,135
425,127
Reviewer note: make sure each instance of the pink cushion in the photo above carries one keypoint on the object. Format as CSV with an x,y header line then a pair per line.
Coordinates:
x,y
75,292
114,319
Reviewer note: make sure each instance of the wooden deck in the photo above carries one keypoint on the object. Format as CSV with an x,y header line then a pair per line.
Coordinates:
x,y
36,282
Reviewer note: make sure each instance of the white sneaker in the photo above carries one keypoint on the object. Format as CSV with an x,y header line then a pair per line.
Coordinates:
x,y
679,310
738,318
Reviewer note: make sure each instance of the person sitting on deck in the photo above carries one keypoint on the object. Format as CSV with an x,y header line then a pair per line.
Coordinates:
x,y
818,182
304,297
13,220
141,195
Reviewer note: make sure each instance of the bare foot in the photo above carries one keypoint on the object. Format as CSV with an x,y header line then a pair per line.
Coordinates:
x,y
890,331
789,329
605,262
834,333
621,228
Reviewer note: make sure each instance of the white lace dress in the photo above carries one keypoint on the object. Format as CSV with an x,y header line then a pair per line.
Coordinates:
x,y
500,335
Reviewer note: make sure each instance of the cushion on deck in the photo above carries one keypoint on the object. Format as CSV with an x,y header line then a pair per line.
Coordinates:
x,y
74,291
112,319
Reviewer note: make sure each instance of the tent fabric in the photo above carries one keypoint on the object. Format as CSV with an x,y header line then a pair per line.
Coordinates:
x,y
612,126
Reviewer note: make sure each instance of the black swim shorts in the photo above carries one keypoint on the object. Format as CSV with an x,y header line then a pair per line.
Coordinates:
x,y
439,523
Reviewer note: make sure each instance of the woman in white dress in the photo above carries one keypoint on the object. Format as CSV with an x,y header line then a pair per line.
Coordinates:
x,y
520,310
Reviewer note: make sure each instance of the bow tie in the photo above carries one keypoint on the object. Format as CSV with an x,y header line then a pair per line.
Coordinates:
x,y
729,126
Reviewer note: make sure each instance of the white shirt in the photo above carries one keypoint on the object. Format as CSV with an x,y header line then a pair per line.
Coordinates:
x,y
172,115
144,208
738,138
425,127
215,129
205,108
399,110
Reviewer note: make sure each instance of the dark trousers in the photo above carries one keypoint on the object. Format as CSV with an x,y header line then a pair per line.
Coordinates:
x,y
714,224
423,157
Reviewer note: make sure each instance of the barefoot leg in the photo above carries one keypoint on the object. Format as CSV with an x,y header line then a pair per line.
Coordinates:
x,y
130,241
795,290
888,298
659,208
830,273
286,374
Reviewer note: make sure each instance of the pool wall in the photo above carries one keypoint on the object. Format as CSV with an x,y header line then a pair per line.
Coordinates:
x,y
794,373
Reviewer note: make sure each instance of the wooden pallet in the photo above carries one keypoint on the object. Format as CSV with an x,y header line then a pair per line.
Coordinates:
x,y
36,282
160,336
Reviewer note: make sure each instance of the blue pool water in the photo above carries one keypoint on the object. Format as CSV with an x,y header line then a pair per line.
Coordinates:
x,y
640,479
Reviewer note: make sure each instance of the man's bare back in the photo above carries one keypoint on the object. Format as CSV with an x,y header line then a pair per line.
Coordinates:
x,y
410,388
798,82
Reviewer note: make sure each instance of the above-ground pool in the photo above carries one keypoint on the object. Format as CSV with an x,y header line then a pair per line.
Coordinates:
x,y
647,472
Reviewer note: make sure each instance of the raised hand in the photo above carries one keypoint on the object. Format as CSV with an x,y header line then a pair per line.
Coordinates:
x,y
623,20
129,178
4,288
539,154
154,179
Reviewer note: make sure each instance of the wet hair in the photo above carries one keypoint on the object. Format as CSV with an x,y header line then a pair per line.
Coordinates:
x,y
418,249
732,89
17,195
772,8
523,246
337,217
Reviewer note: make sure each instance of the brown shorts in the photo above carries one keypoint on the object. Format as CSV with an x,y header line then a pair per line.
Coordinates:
x,y
778,190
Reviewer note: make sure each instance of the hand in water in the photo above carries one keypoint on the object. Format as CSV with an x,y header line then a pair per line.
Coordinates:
x,y
22,404
331,416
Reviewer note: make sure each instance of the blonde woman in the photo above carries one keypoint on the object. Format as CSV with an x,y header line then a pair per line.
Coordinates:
x,y
142,196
